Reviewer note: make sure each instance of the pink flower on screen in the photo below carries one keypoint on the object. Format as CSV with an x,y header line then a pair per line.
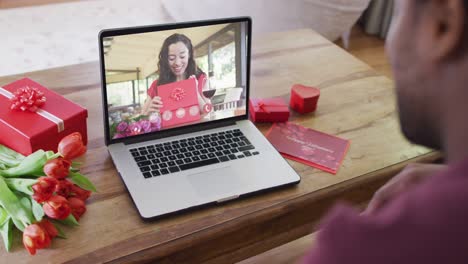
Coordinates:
x,y
155,121
145,126
122,127
135,128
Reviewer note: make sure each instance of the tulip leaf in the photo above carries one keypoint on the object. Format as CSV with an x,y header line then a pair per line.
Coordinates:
x,y
3,216
32,165
49,154
26,203
82,181
11,153
8,161
76,164
21,185
6,229
37,210
60,234
9,158
33,206
18,224
69,221
15,207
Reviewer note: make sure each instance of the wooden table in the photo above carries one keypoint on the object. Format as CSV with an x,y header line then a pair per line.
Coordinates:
x,y
356,103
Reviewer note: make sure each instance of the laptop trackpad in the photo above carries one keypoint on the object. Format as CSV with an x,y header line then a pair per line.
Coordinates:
x,y
216,184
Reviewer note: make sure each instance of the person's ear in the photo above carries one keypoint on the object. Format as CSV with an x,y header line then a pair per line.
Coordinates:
x,y
442,26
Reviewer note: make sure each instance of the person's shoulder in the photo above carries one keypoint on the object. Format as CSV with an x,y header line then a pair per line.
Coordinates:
x,y
152,88
201,75
154,83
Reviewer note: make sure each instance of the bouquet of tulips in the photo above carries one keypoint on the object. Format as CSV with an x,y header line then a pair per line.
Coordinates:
x,y
41,192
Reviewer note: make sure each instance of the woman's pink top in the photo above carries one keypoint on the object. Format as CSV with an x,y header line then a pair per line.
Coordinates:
x,y
152,92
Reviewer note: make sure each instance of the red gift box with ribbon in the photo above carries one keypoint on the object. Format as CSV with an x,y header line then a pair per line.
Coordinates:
x,y
180,103
268,110
33,117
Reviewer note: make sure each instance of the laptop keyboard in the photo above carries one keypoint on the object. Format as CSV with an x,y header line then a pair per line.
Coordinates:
x,y
179,155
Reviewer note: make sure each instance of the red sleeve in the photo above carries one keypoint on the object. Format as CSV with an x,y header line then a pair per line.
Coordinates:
x,y
152,89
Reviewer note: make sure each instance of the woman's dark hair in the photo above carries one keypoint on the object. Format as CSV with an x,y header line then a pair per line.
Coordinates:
x,y
165,74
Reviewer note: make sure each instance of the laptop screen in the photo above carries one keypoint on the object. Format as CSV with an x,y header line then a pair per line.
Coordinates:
x,y
174,77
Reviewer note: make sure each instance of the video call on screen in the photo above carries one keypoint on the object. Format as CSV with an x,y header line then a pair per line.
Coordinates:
x,y
174,78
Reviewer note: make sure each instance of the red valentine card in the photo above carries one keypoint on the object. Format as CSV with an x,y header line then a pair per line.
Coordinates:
x,y
180,103
308,146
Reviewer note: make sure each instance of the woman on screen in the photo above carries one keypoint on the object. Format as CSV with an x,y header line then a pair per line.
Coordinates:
x,y
176,63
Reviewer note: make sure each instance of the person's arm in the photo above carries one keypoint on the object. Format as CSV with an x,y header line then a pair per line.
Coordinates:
x,y
410,176
145,107
424,225
152,105
346,237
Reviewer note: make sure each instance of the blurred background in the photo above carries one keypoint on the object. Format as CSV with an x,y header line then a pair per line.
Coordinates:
x,y
40,34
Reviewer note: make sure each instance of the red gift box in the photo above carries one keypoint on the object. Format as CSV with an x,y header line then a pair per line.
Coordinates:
x,y
269,110
304,99
26,132
180,103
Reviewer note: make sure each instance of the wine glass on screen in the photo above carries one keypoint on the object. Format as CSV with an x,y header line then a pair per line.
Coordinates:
x,y
209,91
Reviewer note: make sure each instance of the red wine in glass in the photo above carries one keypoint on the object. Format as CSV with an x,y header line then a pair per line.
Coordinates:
x,y
209,93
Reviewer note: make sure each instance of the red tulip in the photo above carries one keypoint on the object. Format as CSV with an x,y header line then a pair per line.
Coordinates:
x,y
63,188
78,207
57,207
35,237
80,193
44,188
57,168
72,146
49,228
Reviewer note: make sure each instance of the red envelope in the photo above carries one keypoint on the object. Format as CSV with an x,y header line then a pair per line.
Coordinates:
x,y
180,103
308,146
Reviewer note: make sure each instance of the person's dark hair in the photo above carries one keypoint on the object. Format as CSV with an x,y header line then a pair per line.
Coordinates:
x,y
165,74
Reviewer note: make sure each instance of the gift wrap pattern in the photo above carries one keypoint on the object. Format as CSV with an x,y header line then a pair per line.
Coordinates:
x,y
180,103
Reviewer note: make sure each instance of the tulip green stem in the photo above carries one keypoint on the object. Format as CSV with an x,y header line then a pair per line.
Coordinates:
x,y
54,156
82,181
13,206
6,228
32,165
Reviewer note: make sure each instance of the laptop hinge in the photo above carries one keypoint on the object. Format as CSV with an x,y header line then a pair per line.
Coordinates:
x,y
180,131
227,199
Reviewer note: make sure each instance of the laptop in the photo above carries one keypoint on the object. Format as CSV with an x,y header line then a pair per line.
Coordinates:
x,y
217,157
